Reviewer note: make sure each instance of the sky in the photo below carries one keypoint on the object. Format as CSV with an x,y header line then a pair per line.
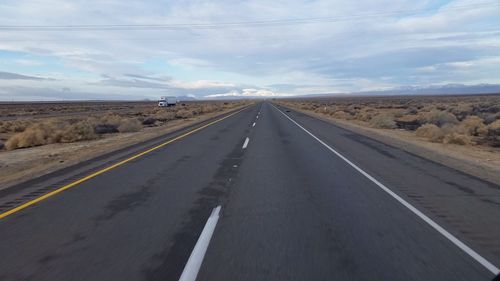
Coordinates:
x,y
115,49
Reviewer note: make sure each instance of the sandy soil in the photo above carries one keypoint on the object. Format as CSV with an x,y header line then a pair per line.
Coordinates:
x,y
480,161
24,164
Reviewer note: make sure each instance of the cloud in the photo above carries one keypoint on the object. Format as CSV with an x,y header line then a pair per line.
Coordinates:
x,y
141,81
129,87
190,62
15,76
28,62
224,47
27,93
153,78
133,83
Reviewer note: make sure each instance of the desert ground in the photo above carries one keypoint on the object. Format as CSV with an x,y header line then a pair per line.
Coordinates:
x,y
38,138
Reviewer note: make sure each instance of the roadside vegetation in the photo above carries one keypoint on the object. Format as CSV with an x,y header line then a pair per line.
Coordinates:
x,y
459,120
90,121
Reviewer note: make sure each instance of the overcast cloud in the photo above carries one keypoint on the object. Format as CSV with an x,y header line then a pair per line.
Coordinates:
x,y
242,48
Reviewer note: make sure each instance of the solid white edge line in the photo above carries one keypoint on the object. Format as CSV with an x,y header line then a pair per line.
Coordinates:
x,y
253,124
193,264
245,144
488,265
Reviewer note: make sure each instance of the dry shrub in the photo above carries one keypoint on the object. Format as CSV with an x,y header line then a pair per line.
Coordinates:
x,y
111,119
493,135
474,126
183,114
383,121
197,110
149,121
462,110
35,135
322,109
210,107
455,138
101,129
399,113
164,115
353,109
439,118
342,115
14,126
431,132
129,125
332,109
489,117
365,114
450,134
408,122
411,110
66,131
326,109
306,106
112,123
495,126
82,130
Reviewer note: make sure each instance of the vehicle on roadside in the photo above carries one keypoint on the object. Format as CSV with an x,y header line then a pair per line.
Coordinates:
x,y
167,101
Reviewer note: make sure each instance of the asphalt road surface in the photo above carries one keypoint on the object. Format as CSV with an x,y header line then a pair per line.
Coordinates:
x,y
291,209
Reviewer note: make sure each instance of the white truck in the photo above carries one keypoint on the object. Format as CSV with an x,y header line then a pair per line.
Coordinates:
x,y
167,101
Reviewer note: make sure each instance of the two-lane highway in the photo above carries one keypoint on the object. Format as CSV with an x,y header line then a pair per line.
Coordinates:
x,y
291,210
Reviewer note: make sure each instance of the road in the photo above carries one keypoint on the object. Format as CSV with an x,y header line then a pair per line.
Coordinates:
x,y
291,209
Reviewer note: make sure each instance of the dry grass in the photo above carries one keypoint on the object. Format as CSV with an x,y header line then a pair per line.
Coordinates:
x,y
129,125
341,115
431,132
14,126
461,120
52,131
79,131
383,121
493,134
456,138
37,134
438,117
163,116
473,126
495,126
184,113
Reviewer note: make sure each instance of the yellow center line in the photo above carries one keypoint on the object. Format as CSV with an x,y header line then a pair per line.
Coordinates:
x,y
95,174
